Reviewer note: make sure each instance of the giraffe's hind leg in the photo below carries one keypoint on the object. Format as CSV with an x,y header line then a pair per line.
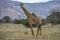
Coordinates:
x,y
39,28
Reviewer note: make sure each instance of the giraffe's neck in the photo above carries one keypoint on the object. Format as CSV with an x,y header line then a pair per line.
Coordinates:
x,y
26,12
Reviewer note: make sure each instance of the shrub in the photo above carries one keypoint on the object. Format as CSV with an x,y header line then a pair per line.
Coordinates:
x,y
21,21
17,21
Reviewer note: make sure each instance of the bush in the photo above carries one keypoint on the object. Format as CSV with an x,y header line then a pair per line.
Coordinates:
x,y
21,21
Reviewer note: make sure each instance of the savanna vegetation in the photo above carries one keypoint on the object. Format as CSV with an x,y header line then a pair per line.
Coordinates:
x,y
16,31
53,18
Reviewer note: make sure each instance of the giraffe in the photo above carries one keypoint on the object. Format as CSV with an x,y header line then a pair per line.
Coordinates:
x,y
32,19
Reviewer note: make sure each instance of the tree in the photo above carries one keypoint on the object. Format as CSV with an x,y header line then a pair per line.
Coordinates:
x,y
43,22
6,19
54,17
1,21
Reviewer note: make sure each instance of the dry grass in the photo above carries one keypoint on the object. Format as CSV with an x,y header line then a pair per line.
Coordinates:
x,y
19,32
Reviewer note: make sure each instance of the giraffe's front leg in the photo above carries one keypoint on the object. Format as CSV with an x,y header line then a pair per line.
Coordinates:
x,y
40,30
30,24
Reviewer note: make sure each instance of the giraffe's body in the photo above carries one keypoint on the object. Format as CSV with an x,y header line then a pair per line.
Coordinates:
x,y
32,19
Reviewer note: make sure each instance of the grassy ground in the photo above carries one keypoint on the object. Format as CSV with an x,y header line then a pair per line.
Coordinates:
x,y
10,31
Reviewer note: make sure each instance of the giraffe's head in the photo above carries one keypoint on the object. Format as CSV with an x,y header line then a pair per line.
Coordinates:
x,y
21,4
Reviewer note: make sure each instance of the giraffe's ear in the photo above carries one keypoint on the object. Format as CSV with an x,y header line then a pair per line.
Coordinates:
x,y
21,4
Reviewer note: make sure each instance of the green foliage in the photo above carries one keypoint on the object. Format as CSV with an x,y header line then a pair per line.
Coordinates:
x,y
21,21
16,21
24,22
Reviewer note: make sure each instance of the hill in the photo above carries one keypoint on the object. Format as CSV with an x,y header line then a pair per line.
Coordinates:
x,y
12,9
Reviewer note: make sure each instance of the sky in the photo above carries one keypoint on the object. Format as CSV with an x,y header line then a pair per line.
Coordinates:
x,y
31,1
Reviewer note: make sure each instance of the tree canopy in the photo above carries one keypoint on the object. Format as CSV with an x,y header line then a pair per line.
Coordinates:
x,y
54,17
6,19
